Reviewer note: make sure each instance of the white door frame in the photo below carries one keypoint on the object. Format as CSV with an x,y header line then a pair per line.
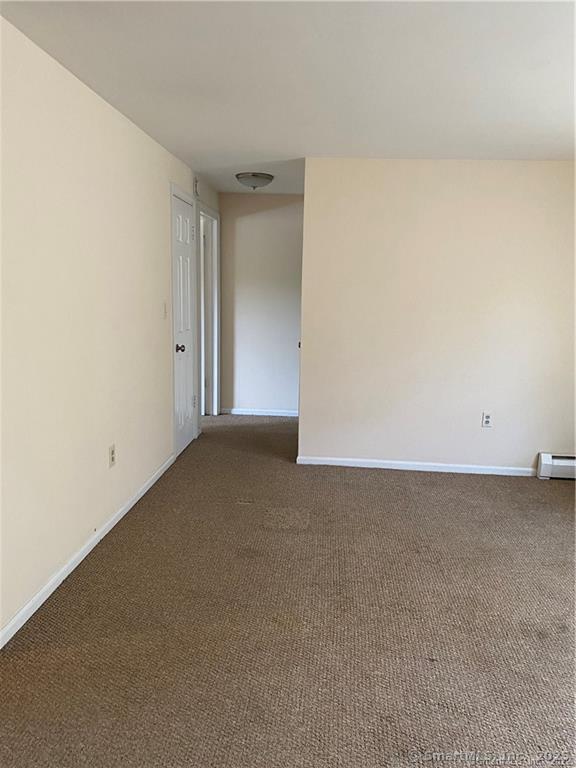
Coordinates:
x,y
177,192
210,326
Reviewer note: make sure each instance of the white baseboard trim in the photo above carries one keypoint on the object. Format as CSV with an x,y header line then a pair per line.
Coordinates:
x,y
40,597
256,412
417,466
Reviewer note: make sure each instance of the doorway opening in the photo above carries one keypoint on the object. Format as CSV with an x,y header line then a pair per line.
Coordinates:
x,y
209,259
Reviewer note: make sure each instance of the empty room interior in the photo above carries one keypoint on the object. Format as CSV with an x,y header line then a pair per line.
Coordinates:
x,y
287,384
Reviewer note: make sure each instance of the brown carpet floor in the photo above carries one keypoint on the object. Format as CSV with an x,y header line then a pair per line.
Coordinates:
x,y
250,613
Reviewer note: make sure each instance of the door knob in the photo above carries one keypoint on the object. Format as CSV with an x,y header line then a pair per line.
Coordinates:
x,y
180,348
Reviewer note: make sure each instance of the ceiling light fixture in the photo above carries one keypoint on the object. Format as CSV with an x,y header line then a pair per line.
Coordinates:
x,y
254,180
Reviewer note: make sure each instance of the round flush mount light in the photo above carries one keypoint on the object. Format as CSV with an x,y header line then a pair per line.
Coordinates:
x,y
254,180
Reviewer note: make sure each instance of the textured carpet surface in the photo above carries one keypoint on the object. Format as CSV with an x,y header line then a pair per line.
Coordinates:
x,y
250,613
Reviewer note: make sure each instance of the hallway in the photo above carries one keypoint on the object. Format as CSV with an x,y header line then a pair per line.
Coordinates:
x,y
251,613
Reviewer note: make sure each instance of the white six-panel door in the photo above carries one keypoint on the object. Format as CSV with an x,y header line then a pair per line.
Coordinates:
x,y
186,412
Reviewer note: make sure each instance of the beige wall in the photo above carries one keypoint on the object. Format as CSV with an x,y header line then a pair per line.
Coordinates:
x,y
434,290
261,282
86,349
206,193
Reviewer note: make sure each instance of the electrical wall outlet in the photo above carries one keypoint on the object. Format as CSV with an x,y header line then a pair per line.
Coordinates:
x,y
486,419
112,455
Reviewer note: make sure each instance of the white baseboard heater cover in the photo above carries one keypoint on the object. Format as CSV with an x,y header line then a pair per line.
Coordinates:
x,y
556,465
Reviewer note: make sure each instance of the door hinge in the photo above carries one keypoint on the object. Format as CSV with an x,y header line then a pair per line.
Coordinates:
x,y
195,401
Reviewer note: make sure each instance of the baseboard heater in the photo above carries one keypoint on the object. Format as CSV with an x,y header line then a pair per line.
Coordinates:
x,y
554,465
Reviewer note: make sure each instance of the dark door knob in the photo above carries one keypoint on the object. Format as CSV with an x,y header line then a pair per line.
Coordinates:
x,y
180,348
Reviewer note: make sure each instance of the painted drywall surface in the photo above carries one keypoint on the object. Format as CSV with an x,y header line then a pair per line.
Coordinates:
x,y
434,290
86,347
261,251
206,193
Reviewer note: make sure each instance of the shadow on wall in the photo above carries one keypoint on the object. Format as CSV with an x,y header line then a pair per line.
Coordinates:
x,y
261,250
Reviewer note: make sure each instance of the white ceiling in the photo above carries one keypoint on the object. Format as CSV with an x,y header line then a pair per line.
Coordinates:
x,y
240,86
